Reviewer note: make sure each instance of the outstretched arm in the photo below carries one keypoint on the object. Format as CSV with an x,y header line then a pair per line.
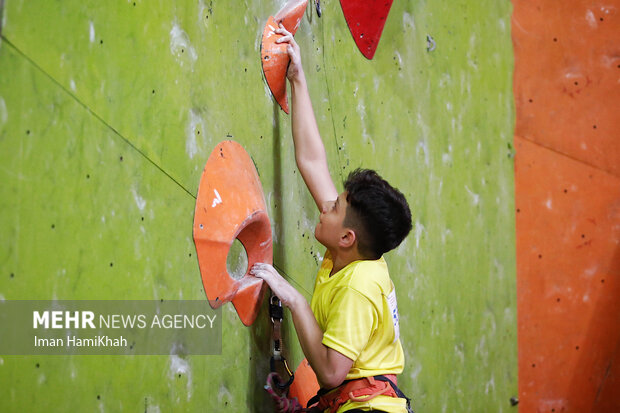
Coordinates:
x,y
330,366
309,149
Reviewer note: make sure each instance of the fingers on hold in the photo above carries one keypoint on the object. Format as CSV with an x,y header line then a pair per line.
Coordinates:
x,y
256,268
260,267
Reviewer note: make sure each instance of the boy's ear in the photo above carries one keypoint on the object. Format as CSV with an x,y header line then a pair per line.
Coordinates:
x,y
348,238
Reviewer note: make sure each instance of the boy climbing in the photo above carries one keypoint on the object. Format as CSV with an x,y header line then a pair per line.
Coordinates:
x,y
349,333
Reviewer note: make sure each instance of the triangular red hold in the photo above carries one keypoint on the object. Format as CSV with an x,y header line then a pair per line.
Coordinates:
x,y
366,19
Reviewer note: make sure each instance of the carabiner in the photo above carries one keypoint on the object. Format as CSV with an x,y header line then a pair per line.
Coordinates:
x,y
276,381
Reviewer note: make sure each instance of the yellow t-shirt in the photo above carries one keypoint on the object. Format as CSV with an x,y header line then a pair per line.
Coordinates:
x,y
356,309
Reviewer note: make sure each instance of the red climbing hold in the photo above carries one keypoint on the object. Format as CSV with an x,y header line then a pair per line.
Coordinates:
x,y
366,20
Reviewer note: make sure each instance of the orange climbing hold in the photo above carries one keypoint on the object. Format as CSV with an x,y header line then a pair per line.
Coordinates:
x,y
305,385
230,205
274,56
290,14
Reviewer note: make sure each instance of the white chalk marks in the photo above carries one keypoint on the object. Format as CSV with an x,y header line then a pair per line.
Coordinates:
x,y
91,32
194,139
217,200
180,45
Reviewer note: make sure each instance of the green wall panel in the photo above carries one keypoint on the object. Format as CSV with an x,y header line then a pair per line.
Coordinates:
x,y
108,112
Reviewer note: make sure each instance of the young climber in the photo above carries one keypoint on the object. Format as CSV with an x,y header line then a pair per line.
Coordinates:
x,y
349,333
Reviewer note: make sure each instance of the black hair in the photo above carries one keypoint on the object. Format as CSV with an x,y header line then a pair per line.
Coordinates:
x,y
377,212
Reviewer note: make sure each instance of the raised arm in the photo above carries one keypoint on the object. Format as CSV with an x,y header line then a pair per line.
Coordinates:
x,y
309,149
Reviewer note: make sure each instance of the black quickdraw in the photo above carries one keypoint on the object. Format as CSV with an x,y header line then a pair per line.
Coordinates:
x,y
276,315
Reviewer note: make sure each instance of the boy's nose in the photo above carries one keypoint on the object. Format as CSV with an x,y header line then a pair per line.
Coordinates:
x,y
326,207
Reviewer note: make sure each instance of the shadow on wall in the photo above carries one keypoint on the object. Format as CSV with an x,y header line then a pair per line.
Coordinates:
x,y
258,399
261,344
1,15
602,359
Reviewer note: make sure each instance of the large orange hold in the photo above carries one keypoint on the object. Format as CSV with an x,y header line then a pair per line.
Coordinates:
x,y
274,57
230,205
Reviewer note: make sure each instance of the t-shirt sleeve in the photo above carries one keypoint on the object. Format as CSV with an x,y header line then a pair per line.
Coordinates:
x,y
351,320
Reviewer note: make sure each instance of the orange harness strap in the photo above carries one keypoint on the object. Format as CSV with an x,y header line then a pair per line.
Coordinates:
x,y
358,390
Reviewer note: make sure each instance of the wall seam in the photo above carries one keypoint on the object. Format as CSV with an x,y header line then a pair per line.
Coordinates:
x,y
94,114
549,148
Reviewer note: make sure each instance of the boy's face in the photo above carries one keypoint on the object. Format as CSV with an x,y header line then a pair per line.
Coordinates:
x,y
330,227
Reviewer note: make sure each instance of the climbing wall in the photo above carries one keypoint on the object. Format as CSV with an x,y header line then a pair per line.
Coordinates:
x,y
108,113
567,96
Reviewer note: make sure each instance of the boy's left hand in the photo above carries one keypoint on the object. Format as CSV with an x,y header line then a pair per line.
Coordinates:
x,y
295,69
280,287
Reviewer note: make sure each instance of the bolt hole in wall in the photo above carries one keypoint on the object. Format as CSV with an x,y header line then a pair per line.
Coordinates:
x,y
237,260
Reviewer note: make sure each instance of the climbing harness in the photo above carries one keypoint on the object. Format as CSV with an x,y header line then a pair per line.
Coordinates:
x,y
358,390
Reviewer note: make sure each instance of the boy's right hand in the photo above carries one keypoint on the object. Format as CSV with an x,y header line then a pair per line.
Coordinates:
x,y
295,70
287,294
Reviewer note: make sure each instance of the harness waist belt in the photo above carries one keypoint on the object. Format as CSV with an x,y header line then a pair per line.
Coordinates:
x,y
357,390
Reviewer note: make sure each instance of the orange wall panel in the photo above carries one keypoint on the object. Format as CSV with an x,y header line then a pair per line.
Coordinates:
x,y
567,78
567,194
568,266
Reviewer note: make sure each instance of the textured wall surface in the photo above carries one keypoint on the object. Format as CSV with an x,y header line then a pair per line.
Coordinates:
x,y
108,112
567,97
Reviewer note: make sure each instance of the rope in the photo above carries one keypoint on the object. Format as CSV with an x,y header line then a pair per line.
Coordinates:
x,y
283,403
